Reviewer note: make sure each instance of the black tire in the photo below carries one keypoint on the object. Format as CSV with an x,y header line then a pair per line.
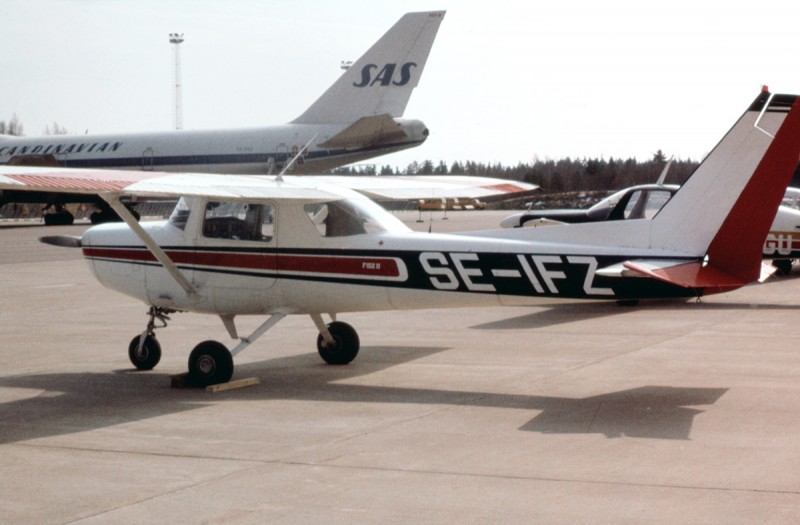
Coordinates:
x,y
346,347
784,266
210,363
148,356
63,218
628,303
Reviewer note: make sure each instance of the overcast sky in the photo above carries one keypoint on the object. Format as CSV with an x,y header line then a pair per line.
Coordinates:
x,y
507,81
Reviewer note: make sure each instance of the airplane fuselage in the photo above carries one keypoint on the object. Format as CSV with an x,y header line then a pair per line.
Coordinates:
x,y
297,270
243,151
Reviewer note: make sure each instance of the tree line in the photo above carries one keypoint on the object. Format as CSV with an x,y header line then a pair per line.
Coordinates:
x,y
14,127
562,175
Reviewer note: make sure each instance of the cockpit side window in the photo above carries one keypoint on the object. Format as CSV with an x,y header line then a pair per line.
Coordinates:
x,y
239,221
645,204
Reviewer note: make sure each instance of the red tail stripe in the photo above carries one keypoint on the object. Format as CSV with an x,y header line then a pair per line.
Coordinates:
x,y
736,249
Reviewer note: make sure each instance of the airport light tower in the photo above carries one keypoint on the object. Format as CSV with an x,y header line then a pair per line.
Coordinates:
x,y
177,116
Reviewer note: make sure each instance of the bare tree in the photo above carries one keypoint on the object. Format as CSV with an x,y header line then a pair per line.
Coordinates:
x,y
12,127
55,130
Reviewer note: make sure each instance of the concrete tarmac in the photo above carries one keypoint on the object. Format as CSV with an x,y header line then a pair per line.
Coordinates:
x,y
670,412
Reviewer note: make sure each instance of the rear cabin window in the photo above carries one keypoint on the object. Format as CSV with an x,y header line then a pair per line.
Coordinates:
x,y
342,218
240,221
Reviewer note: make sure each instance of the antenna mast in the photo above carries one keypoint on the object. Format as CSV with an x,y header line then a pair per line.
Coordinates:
x,y
177,116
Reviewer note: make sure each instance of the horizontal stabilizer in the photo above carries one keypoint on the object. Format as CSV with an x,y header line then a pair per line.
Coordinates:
x,y
680,273
365,132
693,274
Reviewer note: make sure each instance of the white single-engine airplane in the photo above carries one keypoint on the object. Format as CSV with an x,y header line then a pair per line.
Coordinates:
x,y
276,246
357,118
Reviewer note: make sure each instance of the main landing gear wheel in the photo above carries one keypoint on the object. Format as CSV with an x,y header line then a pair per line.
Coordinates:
x,y
146,357
784,266
210,363
346,345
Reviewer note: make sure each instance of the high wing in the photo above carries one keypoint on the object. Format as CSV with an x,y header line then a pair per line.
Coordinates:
x,y
162,185
399,187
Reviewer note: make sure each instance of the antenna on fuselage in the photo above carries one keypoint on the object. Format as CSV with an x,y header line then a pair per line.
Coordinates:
x,y
289,164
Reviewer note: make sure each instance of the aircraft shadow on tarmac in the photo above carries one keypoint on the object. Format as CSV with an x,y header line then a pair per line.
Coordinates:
x,y
565,313
79,402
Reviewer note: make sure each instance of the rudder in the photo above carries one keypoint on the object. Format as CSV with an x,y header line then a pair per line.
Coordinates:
x,y
726,207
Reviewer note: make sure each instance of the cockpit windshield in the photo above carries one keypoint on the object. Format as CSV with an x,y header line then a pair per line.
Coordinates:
x,y
341,218
632,203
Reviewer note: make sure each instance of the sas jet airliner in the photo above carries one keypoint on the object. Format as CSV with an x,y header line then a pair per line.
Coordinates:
x,y
357,118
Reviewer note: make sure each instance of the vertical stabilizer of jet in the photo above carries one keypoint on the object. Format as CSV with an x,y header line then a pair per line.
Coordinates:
x,y
381,81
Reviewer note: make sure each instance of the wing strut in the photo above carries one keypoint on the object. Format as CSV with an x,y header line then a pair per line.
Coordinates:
x,y
150,243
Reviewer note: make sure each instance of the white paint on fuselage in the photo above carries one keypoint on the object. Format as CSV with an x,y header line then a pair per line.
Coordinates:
x,y
243,151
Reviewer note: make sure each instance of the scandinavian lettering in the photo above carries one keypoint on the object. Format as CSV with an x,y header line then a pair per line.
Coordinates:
x,y
76,147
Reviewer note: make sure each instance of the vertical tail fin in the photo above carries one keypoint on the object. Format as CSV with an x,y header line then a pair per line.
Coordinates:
x,y
730,221
381,81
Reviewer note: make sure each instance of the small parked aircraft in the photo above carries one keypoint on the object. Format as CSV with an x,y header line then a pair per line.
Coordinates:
x,y
781,245
357,118
276,246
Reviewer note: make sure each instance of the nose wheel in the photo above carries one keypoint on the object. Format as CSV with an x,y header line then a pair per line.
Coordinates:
x,y
144,354
144,351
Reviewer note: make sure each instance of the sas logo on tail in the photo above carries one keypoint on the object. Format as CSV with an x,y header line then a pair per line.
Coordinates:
x,y
386,75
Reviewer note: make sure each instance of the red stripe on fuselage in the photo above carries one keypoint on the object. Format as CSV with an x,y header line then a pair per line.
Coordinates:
x,y
321,264
371,266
